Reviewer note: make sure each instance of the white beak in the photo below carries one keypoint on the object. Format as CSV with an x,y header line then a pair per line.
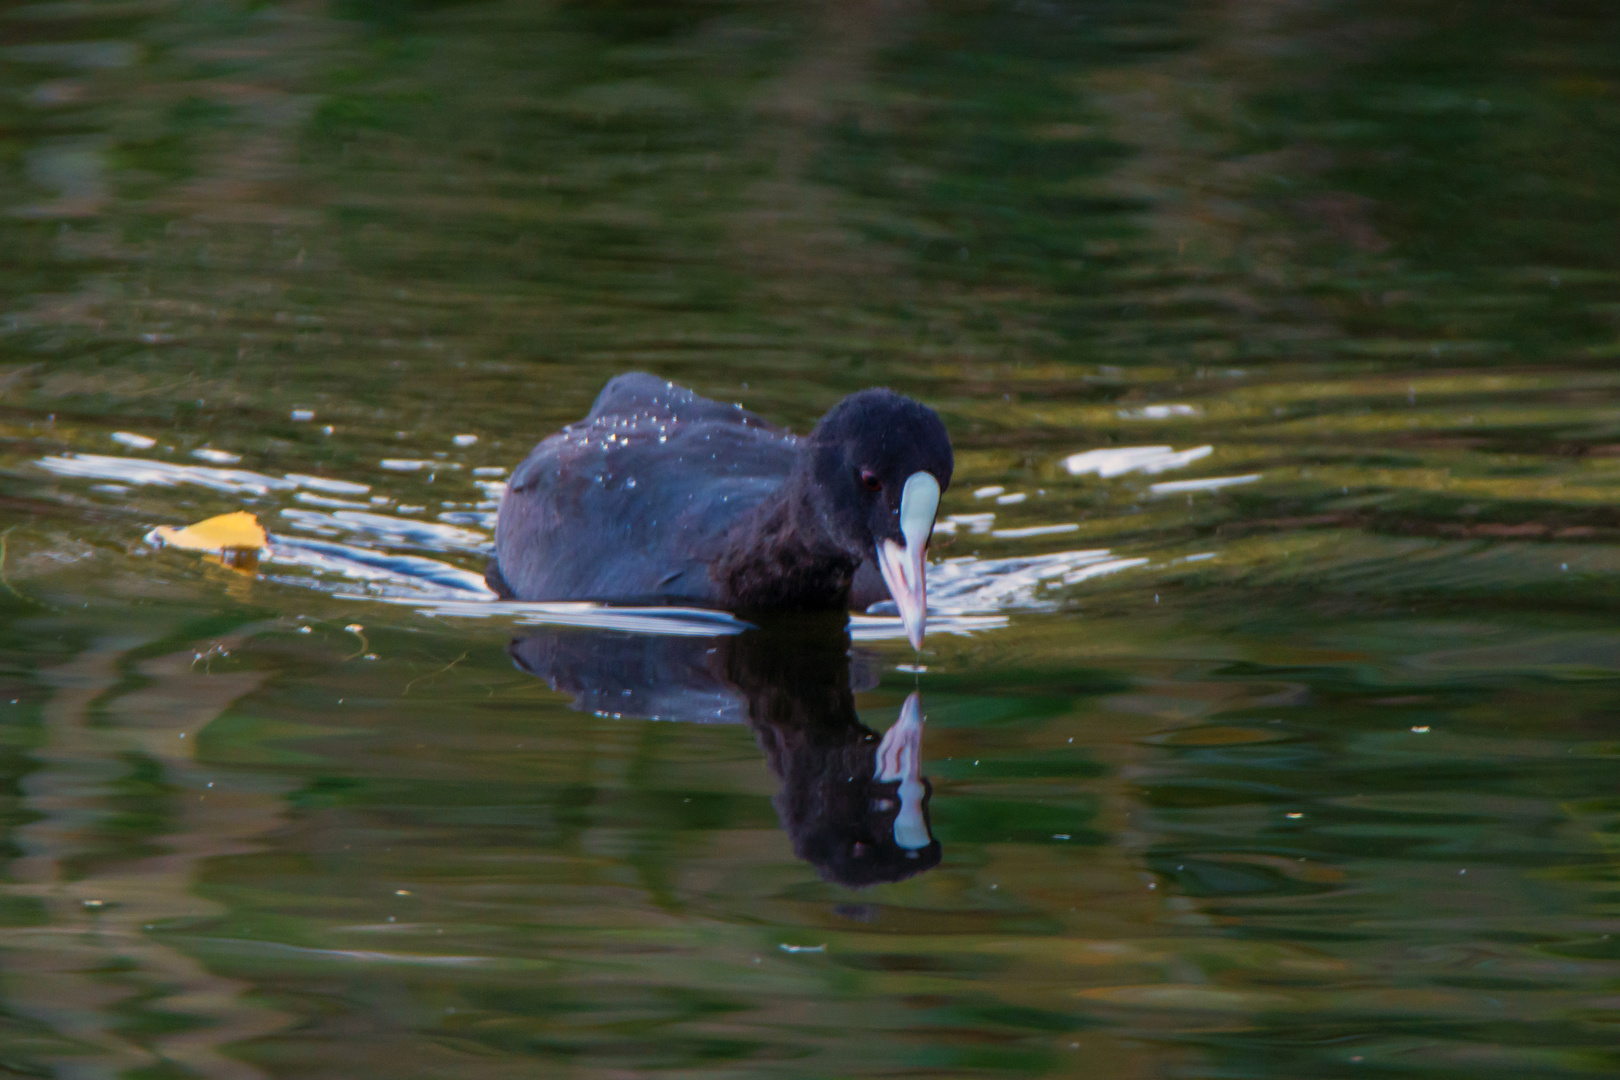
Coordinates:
x,y
902,568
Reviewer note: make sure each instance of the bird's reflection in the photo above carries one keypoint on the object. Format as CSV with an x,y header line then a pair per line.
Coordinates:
x,y
854,804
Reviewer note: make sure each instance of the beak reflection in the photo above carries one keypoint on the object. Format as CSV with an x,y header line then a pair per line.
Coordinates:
x,y
899,761
854,804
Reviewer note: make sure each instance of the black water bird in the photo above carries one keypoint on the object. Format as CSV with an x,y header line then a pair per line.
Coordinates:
x,y
854,804
661,496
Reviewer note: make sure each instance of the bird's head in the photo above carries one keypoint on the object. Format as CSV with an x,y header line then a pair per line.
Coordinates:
x,y
879,461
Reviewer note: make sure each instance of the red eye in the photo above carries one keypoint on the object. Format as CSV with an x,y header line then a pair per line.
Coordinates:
x,y
870,480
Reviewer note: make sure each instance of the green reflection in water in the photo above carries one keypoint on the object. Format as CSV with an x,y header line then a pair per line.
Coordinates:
x,y
1338,799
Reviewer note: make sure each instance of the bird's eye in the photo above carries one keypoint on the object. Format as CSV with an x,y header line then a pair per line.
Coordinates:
x,y
870,481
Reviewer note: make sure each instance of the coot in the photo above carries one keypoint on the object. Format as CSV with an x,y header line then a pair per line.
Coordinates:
x,y
661,496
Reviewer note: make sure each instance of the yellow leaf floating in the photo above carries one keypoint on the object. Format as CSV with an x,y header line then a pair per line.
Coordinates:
x,y
236,538
235,530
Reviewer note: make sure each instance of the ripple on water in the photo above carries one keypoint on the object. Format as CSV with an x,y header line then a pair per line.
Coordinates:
x,y
387,529
966,595
163,473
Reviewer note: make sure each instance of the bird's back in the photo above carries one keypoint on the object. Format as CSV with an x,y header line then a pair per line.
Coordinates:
x,y
632,503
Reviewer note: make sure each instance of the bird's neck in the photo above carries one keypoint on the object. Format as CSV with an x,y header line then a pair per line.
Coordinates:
x,y
782,556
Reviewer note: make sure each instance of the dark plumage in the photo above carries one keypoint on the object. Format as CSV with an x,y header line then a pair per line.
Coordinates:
x,y
661,496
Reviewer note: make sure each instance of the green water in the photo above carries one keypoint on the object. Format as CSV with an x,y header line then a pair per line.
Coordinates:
x,y
1308,775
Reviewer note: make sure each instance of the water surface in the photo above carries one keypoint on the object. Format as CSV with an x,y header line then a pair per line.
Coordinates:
x,y
1270,713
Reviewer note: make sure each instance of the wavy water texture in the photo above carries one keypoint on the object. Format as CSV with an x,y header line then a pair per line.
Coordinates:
x,y
1325,787
966,594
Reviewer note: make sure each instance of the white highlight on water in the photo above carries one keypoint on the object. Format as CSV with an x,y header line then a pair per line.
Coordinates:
x,y
1159,412
162,473
218,457
327,484
1034,530
1118,460
1209,483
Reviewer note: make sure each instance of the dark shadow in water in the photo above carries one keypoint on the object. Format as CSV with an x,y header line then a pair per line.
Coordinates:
x,y
854,804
